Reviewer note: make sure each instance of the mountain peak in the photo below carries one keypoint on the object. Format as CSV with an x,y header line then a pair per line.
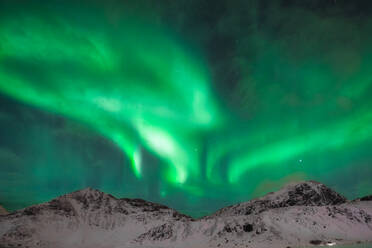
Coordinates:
x,y
98,205
304,193
308,193
87,190
89,194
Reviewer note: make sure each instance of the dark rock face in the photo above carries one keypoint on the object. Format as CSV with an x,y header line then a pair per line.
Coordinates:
x,y
62,206
305,195
158,233
366,198
360,216
316,242
235,228
145,205
248,227
34,210
93,199
154,208
16,236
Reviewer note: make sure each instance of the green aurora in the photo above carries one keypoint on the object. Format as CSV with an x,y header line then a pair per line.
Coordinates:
x,y
195,104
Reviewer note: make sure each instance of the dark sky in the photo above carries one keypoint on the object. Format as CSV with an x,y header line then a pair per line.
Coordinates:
x,y
193,104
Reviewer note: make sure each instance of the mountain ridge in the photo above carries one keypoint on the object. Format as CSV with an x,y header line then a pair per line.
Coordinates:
x,y
304,193
294,215
336,198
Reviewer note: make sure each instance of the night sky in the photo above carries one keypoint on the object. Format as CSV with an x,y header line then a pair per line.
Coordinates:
x,y
193,104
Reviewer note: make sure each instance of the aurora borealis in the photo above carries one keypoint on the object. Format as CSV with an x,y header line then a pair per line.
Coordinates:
x,y
194,104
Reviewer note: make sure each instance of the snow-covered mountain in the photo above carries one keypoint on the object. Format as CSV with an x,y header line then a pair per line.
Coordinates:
x,y
85,218
299,214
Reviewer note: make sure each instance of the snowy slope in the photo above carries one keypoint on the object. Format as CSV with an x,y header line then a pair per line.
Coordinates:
x,y
295,215
298,226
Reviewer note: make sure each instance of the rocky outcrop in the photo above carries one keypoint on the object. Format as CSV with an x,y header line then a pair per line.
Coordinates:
x,y
366,198
309,193
158,233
